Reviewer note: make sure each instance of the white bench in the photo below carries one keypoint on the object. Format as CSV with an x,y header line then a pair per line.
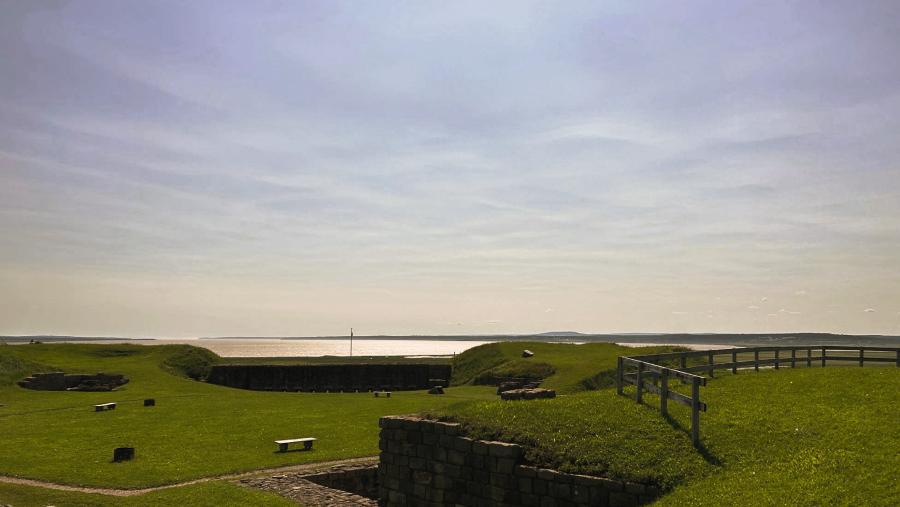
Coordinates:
x,y
386,393
283,444
104,406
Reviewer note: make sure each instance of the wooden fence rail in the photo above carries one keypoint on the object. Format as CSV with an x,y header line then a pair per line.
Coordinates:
x,y
652,372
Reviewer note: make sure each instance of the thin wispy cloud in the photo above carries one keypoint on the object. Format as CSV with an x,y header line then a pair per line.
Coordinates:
x,y
290,168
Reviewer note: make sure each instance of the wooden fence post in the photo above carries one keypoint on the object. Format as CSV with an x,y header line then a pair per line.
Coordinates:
x,y
756,360
664,394
695,410
733,360
861,357
898,358
620,375
711,360
809,358
640,382
793,358
777,351
823,357
682,361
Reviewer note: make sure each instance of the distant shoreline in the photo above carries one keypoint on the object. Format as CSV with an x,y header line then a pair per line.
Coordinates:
x,y
749,339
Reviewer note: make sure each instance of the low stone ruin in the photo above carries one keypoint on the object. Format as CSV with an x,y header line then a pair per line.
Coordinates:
x,y
59,381
527,394
509,385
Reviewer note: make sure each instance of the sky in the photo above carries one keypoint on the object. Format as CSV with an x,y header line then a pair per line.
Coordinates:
x,y
225,168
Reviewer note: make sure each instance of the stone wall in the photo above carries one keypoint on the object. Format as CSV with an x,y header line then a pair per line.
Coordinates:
x,y
361,480
330,377
59,381
430,463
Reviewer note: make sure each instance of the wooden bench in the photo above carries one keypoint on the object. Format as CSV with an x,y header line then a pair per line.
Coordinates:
x,y
104,406
387,394
283,444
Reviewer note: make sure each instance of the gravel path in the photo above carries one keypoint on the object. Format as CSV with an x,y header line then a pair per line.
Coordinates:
x,y
293,470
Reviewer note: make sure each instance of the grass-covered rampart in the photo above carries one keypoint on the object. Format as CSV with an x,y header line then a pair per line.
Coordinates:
x,y
566,367
819,436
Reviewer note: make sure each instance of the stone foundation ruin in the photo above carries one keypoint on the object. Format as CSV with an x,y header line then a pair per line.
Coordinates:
x,y
59,381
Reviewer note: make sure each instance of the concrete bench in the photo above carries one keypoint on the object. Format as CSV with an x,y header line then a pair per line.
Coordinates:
x,y
387,394
283,444
104,406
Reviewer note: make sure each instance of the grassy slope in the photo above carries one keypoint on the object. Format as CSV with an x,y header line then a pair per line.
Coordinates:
x,y
195,430
817,436
577,367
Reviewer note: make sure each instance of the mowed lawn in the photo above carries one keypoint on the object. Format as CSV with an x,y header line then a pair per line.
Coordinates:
x,y
195,429
212,494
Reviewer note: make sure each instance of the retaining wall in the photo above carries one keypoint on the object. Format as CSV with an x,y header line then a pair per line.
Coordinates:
x,y
430,463
330,377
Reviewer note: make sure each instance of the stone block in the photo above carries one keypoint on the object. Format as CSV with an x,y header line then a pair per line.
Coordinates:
x,y
463,444
456,458
422,477
547,474
504,465
524,484
504,450
621,499
529,500
447,428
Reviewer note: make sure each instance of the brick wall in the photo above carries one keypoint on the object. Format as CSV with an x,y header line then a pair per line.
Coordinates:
x,y
431,463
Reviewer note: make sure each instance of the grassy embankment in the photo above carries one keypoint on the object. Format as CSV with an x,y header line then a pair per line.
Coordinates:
x,y
566,367
789,437
195,429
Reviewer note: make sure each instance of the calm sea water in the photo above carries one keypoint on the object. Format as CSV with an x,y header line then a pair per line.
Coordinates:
x,y
274,347
265,347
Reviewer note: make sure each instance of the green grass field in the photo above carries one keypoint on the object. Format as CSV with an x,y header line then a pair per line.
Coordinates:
x,y
195,429
820,436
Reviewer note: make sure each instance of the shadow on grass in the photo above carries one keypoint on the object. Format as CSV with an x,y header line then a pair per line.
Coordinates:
x,y
707,455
